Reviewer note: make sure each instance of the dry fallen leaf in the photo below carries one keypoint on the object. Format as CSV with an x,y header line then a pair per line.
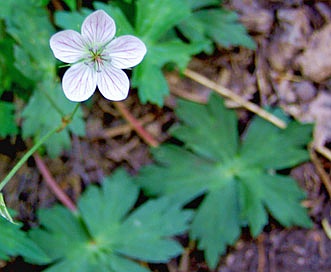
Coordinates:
x,y
315,61
291,36
320,112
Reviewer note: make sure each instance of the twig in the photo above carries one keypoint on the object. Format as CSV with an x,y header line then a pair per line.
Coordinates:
x,y
236,98
145,135
184,264
320,170
323,151
51,183
326,227
122,129
57,4
261,253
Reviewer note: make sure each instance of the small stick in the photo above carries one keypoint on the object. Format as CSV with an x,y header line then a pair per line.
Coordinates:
x,y
320,170
261,253
51,183
145,135
236,98
126,128
323,151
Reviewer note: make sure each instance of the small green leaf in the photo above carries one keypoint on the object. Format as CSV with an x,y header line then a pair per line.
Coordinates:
x,y
15,242
109,234
7,119
236,176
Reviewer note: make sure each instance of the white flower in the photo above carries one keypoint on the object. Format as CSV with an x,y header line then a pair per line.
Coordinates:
x,y
96,58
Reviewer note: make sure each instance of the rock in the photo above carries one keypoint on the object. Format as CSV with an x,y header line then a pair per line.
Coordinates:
x,y
315,61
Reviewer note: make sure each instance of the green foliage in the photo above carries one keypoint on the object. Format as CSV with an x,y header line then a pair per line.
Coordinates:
x,y
15,242
7,119
41,116
29,53
33,56
154,22
238,178
108,234
210,22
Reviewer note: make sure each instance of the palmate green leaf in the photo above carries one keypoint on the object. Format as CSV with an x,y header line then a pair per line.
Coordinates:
x,y
237,177
41,116
15,242
7,119
109,234
215,24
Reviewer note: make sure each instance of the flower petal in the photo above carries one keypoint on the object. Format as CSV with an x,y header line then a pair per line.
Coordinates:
x,y
113,83
98,28
68,46
79,82
126,51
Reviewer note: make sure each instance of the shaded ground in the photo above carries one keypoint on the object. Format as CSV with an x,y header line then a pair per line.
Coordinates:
x,y
291,68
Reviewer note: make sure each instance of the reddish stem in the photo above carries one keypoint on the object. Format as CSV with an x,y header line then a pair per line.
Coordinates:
x,y
144,134
51,183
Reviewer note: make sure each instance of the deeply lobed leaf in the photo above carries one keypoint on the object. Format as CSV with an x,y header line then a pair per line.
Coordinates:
x,y
108,233
237,177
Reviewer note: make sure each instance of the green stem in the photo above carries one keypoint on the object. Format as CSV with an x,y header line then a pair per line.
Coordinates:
x,y
65,122
25,157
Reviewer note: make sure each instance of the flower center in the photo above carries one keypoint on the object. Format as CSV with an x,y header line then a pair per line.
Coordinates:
x,y
96,58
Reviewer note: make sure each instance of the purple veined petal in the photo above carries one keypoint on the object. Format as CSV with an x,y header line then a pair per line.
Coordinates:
x,y
98,28
68,46
113,83
126,51
79,82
